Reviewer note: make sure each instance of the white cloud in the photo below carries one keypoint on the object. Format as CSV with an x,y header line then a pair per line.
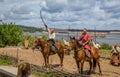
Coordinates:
x,y
2,16
105,14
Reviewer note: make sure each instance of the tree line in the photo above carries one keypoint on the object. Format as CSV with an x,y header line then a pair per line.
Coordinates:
x,y
30,29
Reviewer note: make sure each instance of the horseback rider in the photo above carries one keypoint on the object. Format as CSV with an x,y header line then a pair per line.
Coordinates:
x,y
97,46
116,49
66,42
84,39
51,35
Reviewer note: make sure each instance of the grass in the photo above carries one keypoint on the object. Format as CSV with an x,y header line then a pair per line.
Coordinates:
x,y
105,53
5,60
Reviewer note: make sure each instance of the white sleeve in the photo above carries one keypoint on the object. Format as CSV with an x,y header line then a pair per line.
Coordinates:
x,y
64,40
94,44
53,35
48,30
118,48
98,45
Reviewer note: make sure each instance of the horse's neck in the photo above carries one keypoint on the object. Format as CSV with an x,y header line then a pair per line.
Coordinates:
x,y
77,46
42,45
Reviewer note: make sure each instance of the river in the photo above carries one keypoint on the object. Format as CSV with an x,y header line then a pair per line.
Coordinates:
x,y
110,38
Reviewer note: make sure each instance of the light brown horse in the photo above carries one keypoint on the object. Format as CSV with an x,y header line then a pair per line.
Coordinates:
x,y
79,53
45,49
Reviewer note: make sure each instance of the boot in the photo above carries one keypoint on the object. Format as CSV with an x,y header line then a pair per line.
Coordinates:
x,y
88,53
55,46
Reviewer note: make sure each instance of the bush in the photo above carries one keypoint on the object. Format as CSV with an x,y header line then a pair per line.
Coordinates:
x,y
5,60
29,38
43,37
10,34
106,46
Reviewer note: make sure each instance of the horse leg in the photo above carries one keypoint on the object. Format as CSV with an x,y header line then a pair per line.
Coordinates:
x,y
90,63
94,64
100,72
78,66
47,60
82,63
61,56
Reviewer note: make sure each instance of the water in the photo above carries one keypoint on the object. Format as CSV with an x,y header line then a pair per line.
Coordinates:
x,y
110,38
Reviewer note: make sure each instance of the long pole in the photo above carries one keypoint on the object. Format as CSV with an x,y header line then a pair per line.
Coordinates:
x,y
17,55
68,31
95,33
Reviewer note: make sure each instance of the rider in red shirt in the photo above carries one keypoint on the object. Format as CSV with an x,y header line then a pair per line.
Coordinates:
x,y
84,40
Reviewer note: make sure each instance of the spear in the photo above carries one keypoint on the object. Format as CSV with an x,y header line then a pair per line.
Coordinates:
x,y
43,20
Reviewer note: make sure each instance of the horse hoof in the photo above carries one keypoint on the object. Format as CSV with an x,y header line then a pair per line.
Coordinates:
x,y
100,74
61,65
93,72
81,73
89,73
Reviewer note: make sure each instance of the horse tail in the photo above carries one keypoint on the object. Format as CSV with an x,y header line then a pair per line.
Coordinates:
x,y
94,62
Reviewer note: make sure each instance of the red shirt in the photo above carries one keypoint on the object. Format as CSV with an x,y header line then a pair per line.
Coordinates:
x,y
83,38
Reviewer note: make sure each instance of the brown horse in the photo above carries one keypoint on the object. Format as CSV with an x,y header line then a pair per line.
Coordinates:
x,y
67,49
45,49
115,59
79,54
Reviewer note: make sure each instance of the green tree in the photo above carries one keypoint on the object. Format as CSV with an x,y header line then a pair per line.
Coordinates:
x,y
10,34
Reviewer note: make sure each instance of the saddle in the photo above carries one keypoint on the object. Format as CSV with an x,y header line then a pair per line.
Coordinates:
x,y
52,45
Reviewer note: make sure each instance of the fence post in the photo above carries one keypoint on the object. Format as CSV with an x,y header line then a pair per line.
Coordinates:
x,y
17,55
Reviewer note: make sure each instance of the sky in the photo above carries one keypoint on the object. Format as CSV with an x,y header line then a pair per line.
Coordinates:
x,y
63,14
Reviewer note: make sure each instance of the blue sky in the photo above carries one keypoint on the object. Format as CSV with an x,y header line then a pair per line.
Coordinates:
x,y
76,14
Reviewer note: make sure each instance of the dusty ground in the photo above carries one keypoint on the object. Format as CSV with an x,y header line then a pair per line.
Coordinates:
x,y
69,62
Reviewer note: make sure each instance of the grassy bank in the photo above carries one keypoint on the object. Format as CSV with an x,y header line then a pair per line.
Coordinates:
x,y
105,53
6,60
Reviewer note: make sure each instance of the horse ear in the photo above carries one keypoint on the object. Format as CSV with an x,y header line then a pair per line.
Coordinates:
x,y
74,37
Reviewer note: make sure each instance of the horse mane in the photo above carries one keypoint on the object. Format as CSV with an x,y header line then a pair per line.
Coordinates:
x,y
41,42
77,42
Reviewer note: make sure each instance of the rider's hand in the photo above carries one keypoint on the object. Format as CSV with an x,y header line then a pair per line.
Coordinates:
x,y
83,44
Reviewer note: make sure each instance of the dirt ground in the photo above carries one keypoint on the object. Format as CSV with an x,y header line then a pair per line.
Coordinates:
x,y
36,58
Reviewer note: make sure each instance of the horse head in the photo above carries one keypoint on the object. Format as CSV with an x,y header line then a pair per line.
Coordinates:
x,y
36,43
74,43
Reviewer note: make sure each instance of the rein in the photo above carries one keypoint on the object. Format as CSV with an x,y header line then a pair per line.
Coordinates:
x,y
79,49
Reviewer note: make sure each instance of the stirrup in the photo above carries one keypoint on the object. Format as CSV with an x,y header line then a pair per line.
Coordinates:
x,y
86,58
52,52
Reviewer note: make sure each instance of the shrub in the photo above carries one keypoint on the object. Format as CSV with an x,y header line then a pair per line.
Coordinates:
x,y
106,46
28,37
43,37
10,34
